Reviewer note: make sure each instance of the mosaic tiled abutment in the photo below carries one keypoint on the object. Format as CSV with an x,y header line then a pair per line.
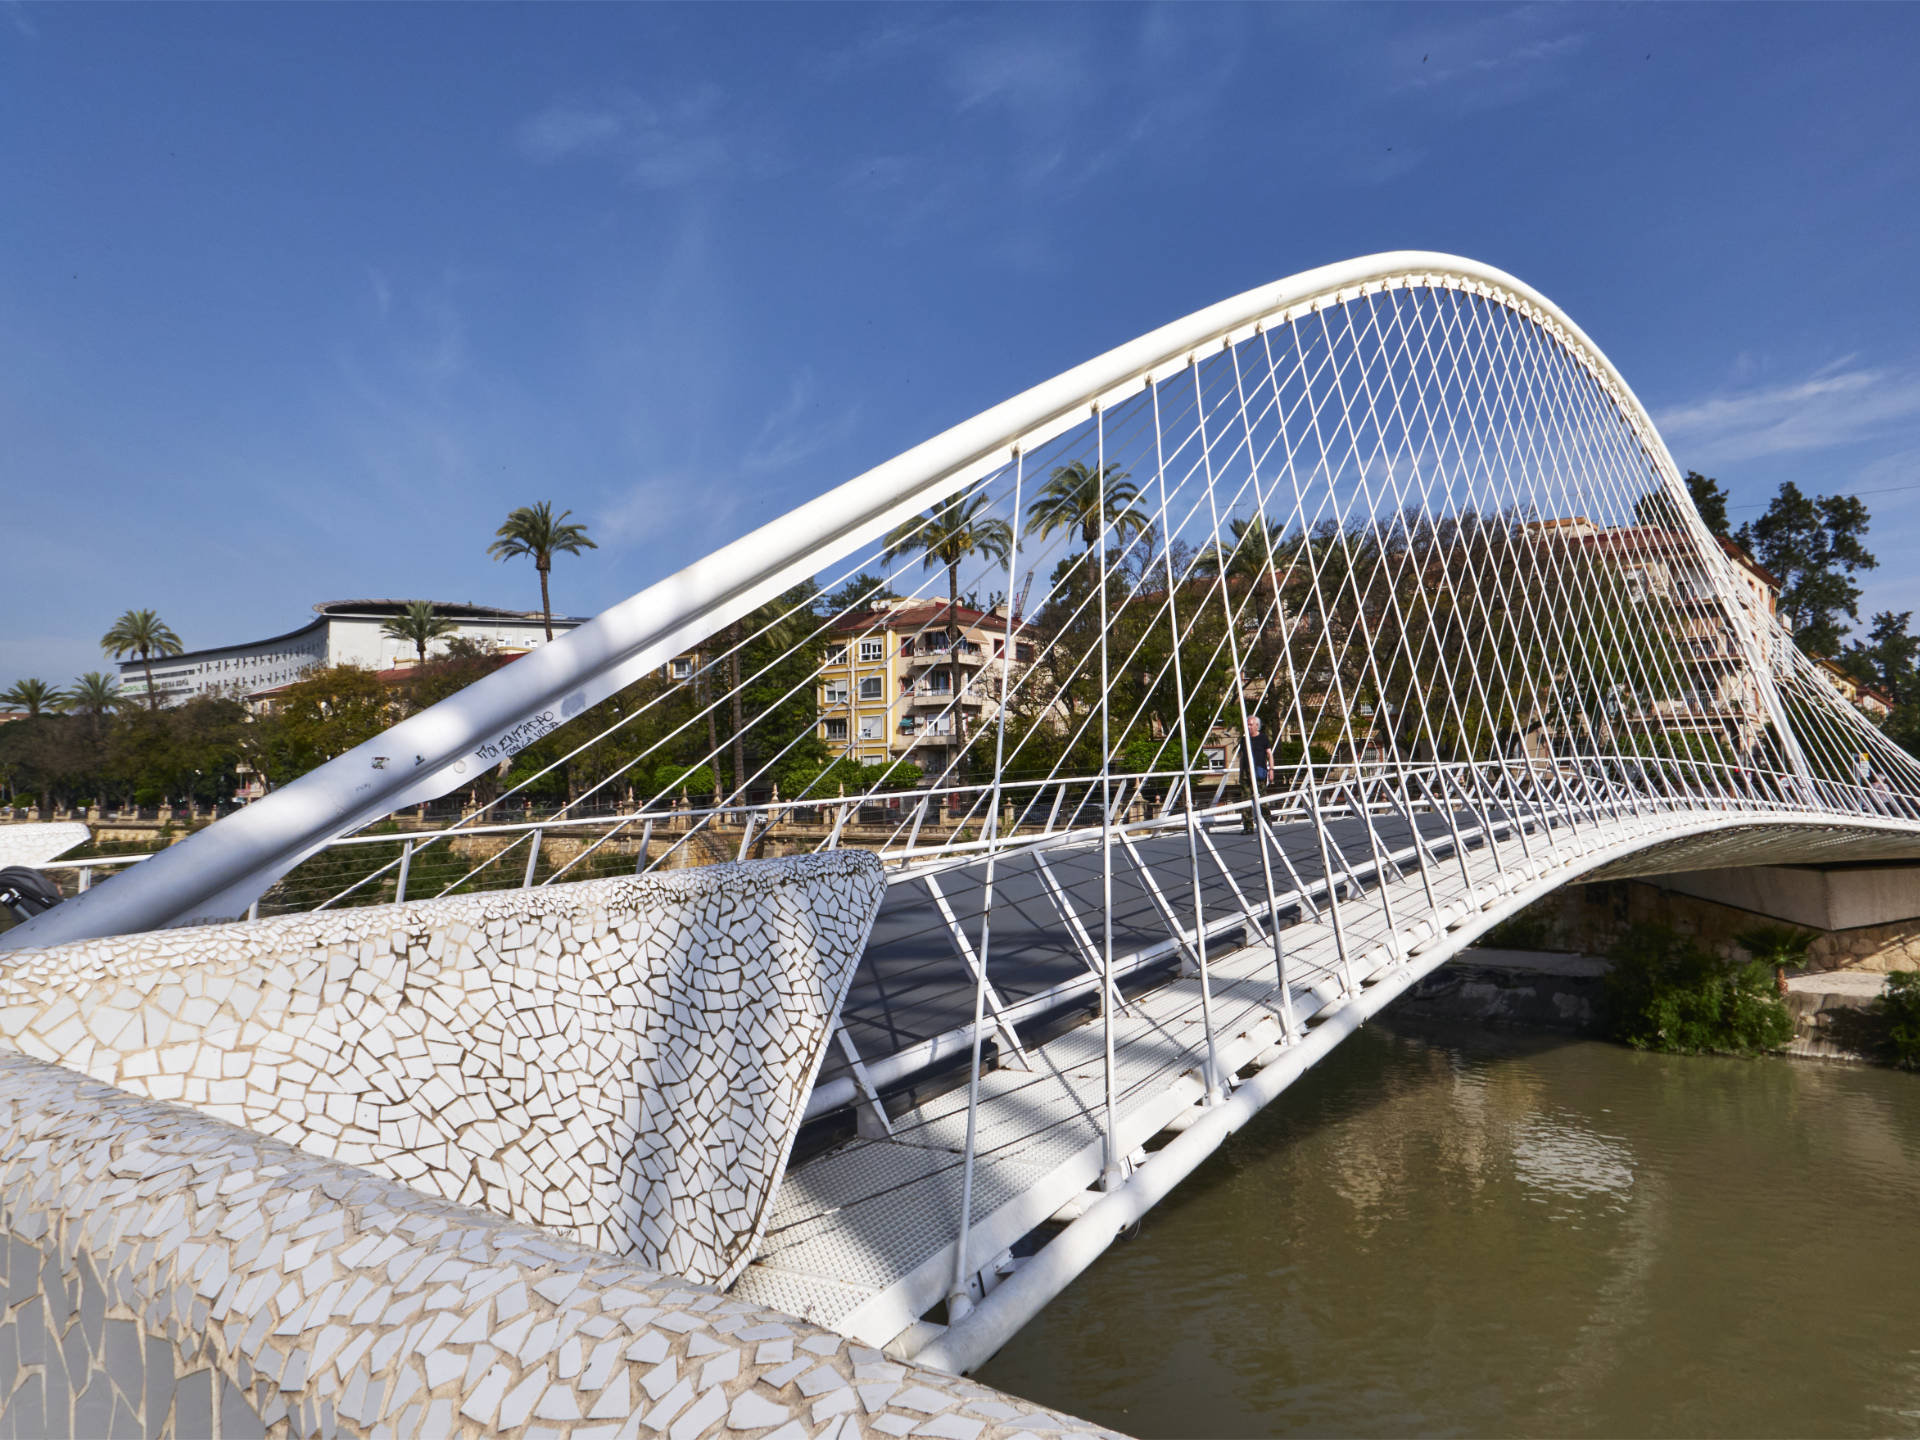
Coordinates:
x,y
563,1109
171,1275
625,1062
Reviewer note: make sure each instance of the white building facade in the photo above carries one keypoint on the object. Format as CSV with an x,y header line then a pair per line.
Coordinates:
x,y
347,632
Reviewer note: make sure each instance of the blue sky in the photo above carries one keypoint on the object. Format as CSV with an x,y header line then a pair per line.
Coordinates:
x,y
296,302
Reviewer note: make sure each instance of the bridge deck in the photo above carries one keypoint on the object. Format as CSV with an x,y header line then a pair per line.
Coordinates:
x,y
862,1237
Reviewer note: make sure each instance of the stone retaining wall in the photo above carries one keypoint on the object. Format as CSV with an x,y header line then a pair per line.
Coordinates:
x,y
625,1062
168,1275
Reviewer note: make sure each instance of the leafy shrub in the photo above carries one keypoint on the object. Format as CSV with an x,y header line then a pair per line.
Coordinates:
x,y
851,777
1666,992
1900,1009
696,781
904,776
1780,947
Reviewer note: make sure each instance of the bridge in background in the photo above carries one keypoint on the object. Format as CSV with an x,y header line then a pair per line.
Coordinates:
x,y
1401,510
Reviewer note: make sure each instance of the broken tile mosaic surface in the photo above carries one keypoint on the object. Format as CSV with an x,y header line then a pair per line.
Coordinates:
x,y
624,1062
166,1273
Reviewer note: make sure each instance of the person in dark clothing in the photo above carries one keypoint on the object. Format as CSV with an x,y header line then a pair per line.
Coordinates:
x,y
1254,749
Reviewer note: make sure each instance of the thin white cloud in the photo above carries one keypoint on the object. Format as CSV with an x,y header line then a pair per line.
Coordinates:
x,y
1024,73
566,130
682,508
1491,60
1824,410
797,430
659,147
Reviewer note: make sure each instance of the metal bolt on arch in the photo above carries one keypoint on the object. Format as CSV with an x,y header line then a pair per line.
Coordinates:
x,y
1400,510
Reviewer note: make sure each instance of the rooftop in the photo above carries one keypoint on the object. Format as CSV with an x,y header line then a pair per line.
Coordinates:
x,y
452,610
364,610
917,614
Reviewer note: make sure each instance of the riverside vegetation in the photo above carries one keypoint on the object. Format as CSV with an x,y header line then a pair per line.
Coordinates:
x,y
1667,992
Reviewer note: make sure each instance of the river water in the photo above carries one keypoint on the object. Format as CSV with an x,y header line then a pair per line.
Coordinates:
x,y
1444,1232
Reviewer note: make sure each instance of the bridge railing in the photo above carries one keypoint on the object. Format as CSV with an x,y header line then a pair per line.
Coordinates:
x,y
951,825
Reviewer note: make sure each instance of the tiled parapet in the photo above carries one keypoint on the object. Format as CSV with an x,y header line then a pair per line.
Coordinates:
x,y
167,1273
625,1062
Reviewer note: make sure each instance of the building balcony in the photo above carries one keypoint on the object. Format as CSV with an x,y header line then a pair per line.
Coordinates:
x,y
911,733
923,699
922,658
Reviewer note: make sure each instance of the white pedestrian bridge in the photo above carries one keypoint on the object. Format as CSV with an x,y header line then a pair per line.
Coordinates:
x,y
1401,511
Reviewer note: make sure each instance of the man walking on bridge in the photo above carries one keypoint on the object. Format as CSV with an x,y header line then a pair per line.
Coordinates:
x,y
1254,768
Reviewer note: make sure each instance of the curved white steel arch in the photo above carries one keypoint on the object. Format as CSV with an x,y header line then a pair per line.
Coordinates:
x,y
217,873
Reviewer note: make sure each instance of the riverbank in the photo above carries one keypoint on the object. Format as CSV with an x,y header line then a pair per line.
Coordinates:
x,y
1548,990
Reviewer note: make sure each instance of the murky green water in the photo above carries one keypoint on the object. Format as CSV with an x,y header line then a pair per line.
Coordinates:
x,y
1462,1233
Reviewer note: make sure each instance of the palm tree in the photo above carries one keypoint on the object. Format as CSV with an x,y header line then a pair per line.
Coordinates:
x,y
1254,554
420,624
34,696
94,694
1089,499
142,633
955,529
535,530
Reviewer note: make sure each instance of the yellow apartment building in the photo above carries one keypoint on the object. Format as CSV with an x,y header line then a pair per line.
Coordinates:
x,y
886,681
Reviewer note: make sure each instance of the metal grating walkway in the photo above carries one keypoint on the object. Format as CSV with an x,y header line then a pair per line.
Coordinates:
x,y
862,1238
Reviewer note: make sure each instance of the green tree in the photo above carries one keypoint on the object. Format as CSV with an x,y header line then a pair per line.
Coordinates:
x,y
1899,1010
862,590
1888,657
1780,947
946,536
34,696
1088,499
1711,501
1254,555
535,530
142,633
1814,545
95,694
1709,498
325,713
1666,992
775,703
420,625
464,660
676,780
